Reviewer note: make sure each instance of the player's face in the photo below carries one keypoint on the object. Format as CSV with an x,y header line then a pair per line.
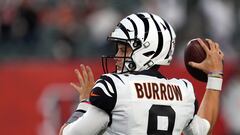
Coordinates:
x,y
122,49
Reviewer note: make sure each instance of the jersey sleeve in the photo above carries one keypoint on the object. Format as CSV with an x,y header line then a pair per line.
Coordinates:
x,y
81,109
103,94
93,122
188,84
198,126
190,87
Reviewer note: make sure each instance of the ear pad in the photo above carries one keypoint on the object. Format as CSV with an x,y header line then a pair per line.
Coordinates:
x,y
137,44
131,65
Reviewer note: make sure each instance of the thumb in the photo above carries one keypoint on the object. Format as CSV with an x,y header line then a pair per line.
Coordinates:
x,y
194,65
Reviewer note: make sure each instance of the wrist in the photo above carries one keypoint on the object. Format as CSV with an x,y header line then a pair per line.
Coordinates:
x,y
214,83
83,105
83,97
86,100
216,74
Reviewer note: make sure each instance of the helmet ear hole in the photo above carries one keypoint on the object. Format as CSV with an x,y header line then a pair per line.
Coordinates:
x,y
137,44
132,66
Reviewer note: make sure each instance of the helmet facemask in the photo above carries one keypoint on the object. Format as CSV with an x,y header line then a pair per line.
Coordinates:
x,y
119,64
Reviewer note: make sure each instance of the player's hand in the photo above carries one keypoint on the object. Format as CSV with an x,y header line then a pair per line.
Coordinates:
x,y
86,81
214,58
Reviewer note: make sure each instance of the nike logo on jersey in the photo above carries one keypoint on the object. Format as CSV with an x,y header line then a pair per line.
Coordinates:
x,y
93,94
159,91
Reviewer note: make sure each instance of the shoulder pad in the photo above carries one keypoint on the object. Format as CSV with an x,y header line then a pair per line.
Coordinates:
x,y
104,94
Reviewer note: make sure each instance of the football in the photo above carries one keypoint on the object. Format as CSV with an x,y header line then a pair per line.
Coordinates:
x,y
194,52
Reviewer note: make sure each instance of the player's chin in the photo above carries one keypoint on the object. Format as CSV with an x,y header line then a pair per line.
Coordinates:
x,y
119,68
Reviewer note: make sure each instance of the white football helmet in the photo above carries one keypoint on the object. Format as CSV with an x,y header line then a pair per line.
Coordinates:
x,y
151,38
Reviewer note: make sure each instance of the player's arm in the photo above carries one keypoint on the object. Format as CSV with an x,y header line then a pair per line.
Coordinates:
x,y
209,108
93,122
81,109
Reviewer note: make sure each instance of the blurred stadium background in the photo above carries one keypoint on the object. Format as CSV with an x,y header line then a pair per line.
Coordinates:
x,y
43,41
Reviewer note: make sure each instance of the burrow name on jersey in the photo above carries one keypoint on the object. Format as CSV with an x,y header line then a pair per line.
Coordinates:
x,y
158,91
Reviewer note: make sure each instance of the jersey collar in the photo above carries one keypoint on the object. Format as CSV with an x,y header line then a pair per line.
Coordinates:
x,y
149,72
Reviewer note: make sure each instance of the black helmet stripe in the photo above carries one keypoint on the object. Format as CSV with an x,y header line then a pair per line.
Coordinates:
x,y
160,38
170,32
123,28
146,25
134,26
168,27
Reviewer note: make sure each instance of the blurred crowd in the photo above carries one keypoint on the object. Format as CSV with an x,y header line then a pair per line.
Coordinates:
x,y
70,29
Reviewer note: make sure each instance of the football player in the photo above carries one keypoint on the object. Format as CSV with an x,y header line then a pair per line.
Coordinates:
x,y
138,99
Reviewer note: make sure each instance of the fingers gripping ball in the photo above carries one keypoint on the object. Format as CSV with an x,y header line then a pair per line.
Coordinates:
x,y
194,52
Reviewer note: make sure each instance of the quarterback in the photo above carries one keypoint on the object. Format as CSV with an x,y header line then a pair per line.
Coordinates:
x,y
137,99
